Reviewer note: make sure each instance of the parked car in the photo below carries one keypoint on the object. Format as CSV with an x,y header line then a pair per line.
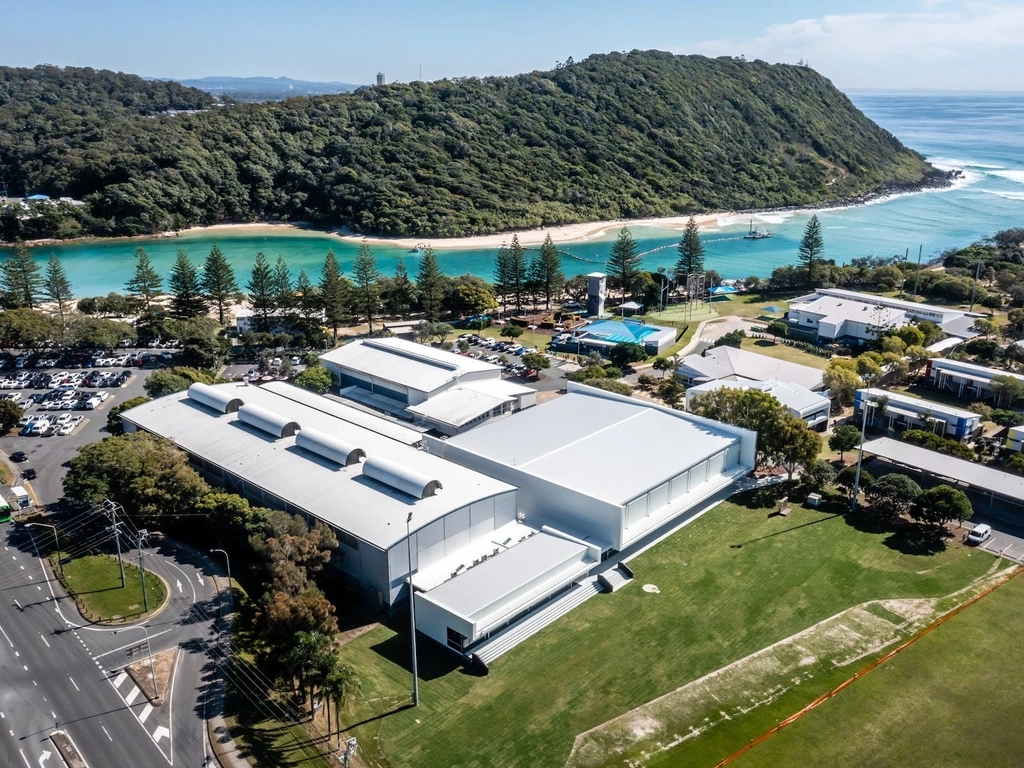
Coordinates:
x,y
979,534
66,429
29,474
19,456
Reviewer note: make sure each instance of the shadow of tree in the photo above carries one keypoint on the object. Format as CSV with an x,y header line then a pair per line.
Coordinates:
x,y
918,539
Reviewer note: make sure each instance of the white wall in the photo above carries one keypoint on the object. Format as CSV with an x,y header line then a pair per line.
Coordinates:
x,y
447,535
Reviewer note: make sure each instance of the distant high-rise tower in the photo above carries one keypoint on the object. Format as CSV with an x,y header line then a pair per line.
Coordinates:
x,y
382,79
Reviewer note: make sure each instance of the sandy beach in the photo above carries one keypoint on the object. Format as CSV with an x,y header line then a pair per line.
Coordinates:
x,y
568,233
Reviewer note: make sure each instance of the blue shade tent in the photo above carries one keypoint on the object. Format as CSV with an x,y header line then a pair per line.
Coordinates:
x,y
772,309
722,290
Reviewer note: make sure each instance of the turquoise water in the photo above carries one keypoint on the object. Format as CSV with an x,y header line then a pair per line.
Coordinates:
x,y
979,133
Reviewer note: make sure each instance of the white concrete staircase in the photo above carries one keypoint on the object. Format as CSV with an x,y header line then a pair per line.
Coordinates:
x,y
535,621
615,578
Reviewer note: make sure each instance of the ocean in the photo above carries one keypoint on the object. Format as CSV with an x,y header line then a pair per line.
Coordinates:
x,y
978,133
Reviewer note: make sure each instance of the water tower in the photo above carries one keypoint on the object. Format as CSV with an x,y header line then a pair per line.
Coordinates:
x,y
596,288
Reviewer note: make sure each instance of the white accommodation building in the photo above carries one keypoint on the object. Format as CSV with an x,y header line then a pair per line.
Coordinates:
x,y
906,412
732,364
965,380
837,315
811,407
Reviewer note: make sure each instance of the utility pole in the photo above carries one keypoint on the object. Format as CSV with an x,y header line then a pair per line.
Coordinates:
x,y
903,270
140,540
917,277
111,509
977,275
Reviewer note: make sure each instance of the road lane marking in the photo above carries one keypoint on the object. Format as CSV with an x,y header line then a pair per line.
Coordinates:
x,y
120,679
26,668
44,640
145,712
130,698
178,582
160,733
44,757
105,731
22,567
74,683
7,638
22,752
19,605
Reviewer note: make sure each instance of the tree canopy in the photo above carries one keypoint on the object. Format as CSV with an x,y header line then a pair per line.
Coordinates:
x,y
613,136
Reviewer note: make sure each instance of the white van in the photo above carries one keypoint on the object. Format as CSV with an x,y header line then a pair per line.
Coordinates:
x,y
979,534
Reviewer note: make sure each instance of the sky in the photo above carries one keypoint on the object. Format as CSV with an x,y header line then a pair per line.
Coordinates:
x,y
897,44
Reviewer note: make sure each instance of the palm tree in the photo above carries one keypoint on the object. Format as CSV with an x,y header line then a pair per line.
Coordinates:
x,y
337,687
321,665
303,657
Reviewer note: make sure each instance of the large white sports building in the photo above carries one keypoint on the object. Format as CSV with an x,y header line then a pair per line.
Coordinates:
x,y
497,520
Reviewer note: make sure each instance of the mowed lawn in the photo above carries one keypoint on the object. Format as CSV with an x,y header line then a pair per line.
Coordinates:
x,y
731,583
784,352
955,698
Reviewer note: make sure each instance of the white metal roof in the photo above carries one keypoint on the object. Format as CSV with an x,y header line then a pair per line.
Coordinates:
x,y
793,396
720,362
457,406
416,366
918,405
613,450
338,410
956,470
970,370
837,310
480,588
339,495
910,307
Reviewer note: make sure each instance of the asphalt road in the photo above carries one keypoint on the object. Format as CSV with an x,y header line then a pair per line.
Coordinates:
x,y
55,668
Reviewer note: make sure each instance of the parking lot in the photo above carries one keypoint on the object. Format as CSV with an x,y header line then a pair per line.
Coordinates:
x,y
491,351
65,389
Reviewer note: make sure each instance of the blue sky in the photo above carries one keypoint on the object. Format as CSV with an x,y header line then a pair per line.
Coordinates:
x,y
942,44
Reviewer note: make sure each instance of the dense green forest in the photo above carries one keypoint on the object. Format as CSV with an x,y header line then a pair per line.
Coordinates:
x,y
613,136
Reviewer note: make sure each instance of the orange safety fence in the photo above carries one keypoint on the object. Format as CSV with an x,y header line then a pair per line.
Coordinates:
x,y
861,672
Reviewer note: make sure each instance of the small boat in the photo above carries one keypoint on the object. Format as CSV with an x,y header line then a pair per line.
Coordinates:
x,y
757,233
419,248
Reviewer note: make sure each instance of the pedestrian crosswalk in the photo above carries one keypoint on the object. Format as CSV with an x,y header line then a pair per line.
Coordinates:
x,y
156,720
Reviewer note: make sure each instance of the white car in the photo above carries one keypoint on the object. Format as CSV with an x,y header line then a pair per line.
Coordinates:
x,y
92,403
296,361
26,420
62,419
67,429
102,395
40,426
979,534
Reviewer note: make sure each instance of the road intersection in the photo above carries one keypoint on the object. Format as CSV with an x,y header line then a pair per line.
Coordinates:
x,y
59,672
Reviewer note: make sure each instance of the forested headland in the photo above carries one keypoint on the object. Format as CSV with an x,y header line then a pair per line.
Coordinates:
x,y
633,135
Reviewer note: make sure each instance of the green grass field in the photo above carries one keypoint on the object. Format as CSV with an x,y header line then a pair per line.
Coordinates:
x,y
953,699
784,352
96,581
731,583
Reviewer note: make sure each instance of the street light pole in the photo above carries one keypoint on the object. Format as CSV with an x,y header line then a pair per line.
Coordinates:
x,y
228,560
149,648
56,539
860,456
412,613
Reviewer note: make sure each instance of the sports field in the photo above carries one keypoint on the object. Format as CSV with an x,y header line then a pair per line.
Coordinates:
x,y
731,584
955,698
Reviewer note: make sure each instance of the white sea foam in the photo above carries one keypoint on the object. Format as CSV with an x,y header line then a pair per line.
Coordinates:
x,y
1015,176
949,163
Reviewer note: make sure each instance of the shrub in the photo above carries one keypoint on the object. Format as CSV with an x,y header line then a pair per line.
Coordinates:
x,y
847,476
609,385
935,442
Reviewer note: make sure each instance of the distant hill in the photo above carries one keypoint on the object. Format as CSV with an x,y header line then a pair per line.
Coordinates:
x,y
613,136
265,88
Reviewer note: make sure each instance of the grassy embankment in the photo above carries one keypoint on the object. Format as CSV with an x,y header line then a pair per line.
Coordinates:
x,y
732,583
